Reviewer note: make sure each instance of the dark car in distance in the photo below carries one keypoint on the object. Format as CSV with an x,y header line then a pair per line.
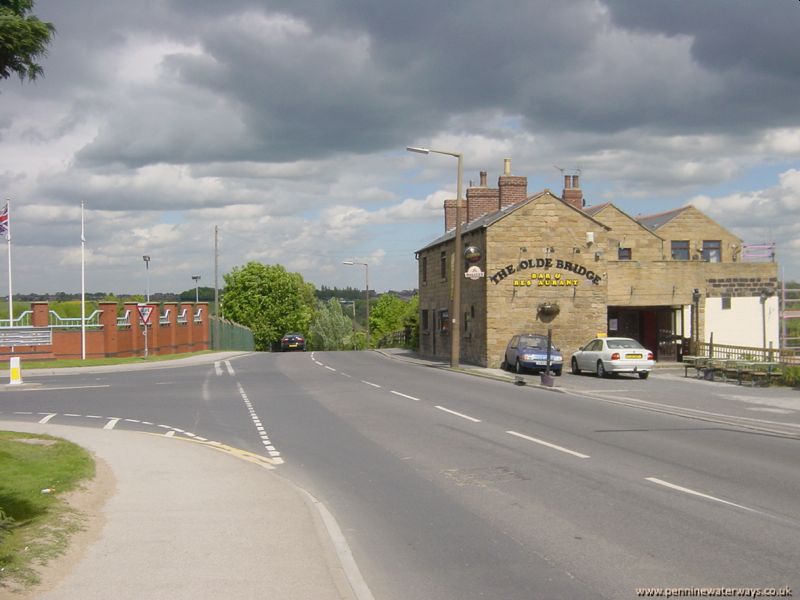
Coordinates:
x,y
528,351
293,341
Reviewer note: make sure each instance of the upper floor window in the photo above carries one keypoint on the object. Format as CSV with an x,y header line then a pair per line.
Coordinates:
x,y
443,264
680,249
624,254
712,250
424,269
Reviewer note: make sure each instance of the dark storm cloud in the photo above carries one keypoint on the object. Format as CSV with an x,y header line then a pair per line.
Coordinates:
x,y
362,77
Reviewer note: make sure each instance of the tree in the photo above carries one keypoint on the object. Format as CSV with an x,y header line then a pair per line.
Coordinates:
x,y
269,300
386,316
331,329
23,39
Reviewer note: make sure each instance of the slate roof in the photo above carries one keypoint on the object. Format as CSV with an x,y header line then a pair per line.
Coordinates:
x,y
653,222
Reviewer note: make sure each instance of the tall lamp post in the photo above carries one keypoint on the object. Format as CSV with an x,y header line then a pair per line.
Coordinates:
x,y
196,279
146,259
366,284
455,309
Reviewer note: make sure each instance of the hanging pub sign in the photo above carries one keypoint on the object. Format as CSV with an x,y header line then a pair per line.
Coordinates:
x,y
472,254
546,279
474,273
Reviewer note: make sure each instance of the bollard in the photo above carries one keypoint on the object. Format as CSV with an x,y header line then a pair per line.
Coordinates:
x,y
14,371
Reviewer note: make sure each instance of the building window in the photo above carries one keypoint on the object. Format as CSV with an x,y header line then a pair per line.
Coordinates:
x,y
443,265
444,321
726,303
712,250
680,249
425,323
624,254
424,270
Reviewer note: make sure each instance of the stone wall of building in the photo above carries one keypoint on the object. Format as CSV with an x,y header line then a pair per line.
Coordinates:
x,y
544,229
694,226
625,232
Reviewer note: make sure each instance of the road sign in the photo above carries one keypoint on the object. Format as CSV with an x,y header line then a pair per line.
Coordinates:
x,y
144,312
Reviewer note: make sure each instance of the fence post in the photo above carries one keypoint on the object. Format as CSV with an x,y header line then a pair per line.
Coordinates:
x,y
108,319
41,314
711,346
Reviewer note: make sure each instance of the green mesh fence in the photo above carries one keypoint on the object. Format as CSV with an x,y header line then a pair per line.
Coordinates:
x,y
232,336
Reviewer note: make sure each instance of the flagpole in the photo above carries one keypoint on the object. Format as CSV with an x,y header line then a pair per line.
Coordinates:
x,y
8,240
83,289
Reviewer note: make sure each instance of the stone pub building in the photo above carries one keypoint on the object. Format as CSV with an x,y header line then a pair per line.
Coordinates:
x,y
663,279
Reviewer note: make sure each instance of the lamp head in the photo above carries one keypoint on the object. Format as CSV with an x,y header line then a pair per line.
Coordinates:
x,y
419,150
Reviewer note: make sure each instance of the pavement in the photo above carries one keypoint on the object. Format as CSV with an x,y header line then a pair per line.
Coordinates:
x,y
190,520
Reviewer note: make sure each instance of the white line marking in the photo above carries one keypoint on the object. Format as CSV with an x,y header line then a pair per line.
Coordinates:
x,y
133,420
111,424
170,434
47,418
164,426
30,413
74,387
372,384
346,375
202,439
330,368
259,427
71,415
458,414
217,368
229,367
146,423
548,444
94,417
699,494
404,396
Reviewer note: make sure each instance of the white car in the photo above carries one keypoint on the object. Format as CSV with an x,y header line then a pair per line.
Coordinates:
x,y
609,355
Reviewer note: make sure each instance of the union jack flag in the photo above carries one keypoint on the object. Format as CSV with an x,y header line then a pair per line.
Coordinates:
x,y
4,220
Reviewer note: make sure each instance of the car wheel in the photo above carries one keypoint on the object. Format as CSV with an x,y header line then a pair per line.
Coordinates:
x,y
557,372
575,369
601,370
518,367
644,374
504,366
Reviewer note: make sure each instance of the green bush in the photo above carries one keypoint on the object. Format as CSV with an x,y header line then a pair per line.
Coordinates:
x,y
791,376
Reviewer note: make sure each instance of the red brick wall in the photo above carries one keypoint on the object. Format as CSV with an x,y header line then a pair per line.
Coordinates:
x,y
110,340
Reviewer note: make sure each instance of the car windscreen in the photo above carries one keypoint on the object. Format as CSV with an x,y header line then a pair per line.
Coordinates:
x,y
529,341
623,344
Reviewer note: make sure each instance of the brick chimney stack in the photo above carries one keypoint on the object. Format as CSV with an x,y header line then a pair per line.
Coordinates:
x,y
481,200
513,189
572,194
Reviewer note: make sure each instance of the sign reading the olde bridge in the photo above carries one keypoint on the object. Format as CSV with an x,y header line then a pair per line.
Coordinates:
x,y
547,279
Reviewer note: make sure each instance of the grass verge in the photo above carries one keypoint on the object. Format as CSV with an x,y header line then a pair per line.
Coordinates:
x,y
35,522
98,362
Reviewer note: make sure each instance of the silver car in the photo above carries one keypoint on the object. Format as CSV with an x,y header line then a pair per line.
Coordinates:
x,y
611,355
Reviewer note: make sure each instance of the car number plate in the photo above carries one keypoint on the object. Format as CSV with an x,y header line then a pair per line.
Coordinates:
x,y
634,356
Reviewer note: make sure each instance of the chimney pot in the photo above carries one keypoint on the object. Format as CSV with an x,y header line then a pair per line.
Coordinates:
x,y
483,179
507,166
567,182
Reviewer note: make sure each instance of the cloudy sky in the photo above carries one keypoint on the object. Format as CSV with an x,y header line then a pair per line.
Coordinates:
x,y
285,124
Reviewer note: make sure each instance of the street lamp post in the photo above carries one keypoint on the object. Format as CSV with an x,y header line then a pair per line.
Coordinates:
x,y
366,284
455,309
146,259
196,279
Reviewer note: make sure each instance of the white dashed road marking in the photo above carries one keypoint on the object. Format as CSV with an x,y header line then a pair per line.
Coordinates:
x,y
375,385
276,456
678,488
548,444
458,414
404,396
229,367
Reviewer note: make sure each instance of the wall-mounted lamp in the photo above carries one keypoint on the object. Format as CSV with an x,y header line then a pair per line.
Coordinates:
x,y
589,238
576,250
597,255
549,250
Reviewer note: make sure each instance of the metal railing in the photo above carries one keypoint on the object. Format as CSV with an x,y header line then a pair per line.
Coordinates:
x,y
22,320
164,319
198,316
58,322
124,321
749,353
182,316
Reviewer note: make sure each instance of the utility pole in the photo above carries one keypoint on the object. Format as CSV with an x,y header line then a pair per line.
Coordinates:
x,y
216,288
